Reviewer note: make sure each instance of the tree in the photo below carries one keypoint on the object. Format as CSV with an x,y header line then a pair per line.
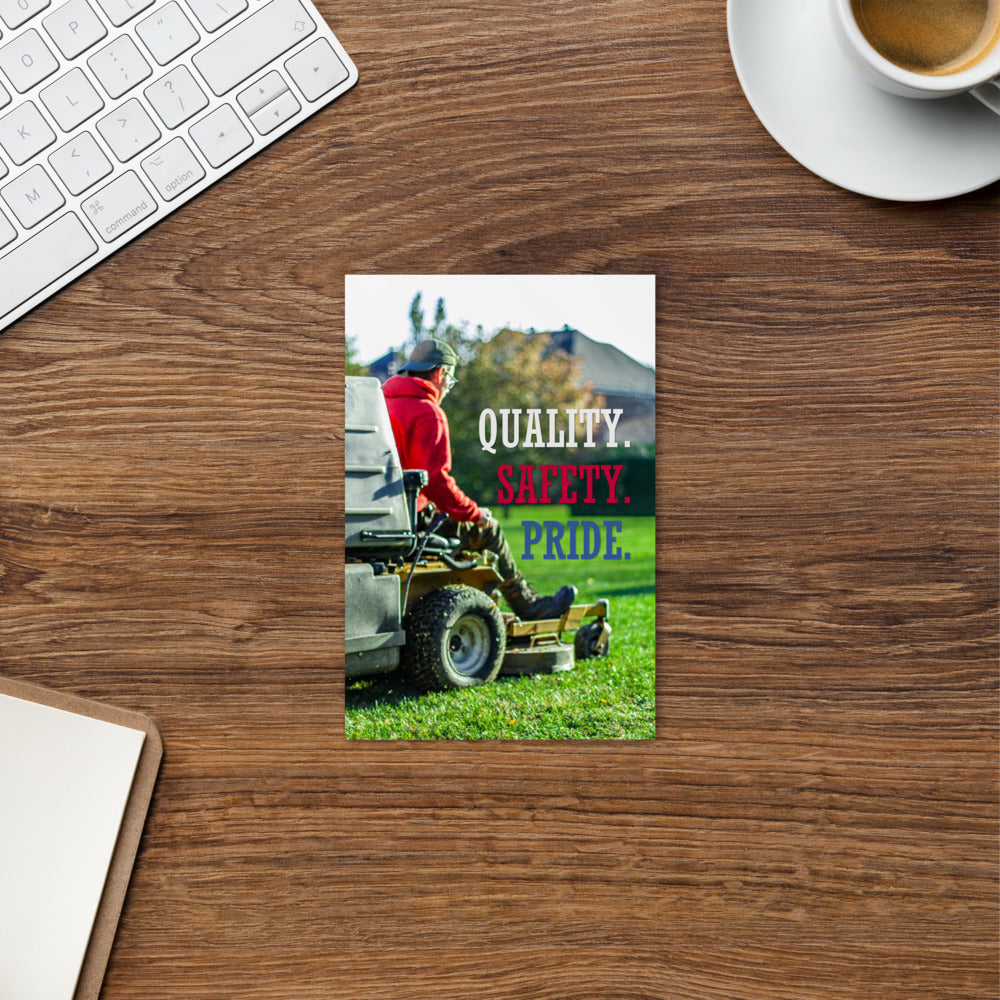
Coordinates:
x,y
510,371
458,338
351,364
439,318
416,319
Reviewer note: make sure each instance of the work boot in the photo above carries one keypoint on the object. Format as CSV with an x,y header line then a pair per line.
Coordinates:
x,y
529,607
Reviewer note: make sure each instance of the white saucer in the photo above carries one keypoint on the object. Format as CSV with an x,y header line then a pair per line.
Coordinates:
x,y
815,104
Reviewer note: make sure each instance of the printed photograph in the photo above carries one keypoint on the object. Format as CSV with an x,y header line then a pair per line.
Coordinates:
x,y
500,505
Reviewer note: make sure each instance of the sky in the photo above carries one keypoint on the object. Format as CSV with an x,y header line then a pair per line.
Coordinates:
x,y
612,309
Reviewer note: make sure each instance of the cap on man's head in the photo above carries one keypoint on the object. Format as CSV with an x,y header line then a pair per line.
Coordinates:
x,y
428,355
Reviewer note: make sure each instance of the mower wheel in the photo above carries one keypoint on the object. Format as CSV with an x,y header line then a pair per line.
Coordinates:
x,y
588,642
455,638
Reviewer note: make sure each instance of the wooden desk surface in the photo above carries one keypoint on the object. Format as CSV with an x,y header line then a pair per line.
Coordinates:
x,y
818,815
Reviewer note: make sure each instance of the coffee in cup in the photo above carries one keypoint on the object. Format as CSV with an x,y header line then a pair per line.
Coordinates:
x,y
923,48
933,37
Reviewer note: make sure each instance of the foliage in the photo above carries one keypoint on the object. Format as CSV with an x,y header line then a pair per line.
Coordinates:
x,y
510,371
351,364
416,319
465,344
457,336
506,371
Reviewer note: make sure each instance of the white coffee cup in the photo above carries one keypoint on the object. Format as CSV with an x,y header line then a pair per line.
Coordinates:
x,y
982,79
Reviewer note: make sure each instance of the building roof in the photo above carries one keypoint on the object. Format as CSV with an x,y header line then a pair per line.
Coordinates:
x,y
611,370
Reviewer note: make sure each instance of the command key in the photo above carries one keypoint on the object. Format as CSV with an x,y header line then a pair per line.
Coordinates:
x,y
119,207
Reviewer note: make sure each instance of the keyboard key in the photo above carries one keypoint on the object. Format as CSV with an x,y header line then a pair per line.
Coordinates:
x,y
74,27
221,135
167,33
128,130
173,169
7,231
15,12
38,262
265,90
120,11
115,112
213,14
316,70
119,66
276,113
119,207
72,99
24,133
27,61
254,42
32,196
177,97
80,164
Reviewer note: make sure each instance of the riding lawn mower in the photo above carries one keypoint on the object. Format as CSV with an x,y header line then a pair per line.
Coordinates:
x,y
414,601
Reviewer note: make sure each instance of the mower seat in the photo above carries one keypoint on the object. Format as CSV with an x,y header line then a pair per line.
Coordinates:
x,y
377,521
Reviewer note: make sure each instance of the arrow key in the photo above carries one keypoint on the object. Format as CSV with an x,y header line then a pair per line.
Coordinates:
x,y
221,135
276,113
80,164
265,90
316,70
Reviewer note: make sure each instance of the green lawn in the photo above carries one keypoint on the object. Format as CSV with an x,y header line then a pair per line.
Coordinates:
x,y
600,699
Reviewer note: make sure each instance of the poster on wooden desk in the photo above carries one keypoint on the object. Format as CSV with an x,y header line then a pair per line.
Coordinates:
x,y
500,507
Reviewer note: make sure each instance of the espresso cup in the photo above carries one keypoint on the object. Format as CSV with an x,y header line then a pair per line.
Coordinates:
x,y
924,48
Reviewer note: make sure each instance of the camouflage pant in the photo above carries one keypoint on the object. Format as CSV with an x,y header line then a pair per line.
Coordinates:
x,y
474,539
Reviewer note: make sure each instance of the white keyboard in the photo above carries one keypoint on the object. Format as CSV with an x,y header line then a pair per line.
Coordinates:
x,y
115,112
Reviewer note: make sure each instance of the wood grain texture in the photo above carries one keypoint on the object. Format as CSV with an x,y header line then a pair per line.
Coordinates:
x,y
817,819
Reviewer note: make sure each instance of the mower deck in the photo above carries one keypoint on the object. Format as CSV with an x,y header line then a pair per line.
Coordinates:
x,y
537,647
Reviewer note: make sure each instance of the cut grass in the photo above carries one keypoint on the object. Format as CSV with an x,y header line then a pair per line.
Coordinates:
x,y
604,698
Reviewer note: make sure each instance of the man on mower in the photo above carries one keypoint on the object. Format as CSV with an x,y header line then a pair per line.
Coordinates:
x,y
420,428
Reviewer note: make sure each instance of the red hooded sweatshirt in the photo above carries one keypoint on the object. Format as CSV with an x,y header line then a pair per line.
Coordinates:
x,y
421,431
